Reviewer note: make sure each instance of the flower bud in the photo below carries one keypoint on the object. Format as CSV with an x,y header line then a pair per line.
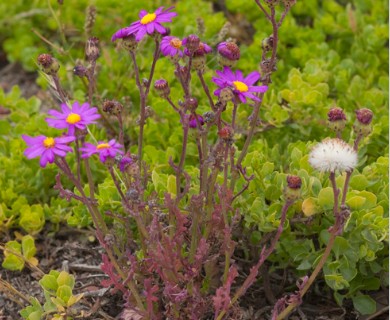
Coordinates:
x,y
362,125
92,51
293,190
162,88
193,123
289,3
112,107
191,43
336,119
209,117
191,103
267,43
80,71
272,3
199,63
124,163
129,43
228,53
226,94
226,133
48,64
132,194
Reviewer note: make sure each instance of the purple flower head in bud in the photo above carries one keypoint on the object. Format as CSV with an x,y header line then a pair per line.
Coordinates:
x,y
294,182
76,118
170,46
47,148
229,50
336,114
242,87
148,24
191,43
124,162
192,121
202,50
104,149
364,115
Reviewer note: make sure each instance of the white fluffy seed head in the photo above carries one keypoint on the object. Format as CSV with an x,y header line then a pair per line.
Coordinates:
x,y
333,155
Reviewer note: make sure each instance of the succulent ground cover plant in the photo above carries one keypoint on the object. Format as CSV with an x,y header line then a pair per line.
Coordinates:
x,y
190,202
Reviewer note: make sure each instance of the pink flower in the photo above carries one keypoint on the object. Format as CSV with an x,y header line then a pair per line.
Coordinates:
x,y
148,24
47,148
76,118
170,46
242,87
104,149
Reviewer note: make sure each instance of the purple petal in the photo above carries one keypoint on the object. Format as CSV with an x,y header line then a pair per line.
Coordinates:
x,y
66,139
252,78
142,14
34,152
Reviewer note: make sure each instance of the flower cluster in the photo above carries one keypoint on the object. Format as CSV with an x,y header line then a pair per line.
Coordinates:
x,y
74,120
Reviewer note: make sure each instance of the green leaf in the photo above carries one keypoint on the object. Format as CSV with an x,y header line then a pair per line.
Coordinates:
x,y
28,247
356,202
49,283
171,185
326,198
13,263
65,278
364,304
64,292
359,182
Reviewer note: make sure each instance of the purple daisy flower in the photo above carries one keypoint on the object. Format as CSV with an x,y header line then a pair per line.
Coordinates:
x,y
47,148
76,118
242,87
170,46
148,24
104,149
202,50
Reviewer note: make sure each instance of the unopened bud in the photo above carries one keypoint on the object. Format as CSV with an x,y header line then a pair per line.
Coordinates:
x,y
199,63
124,163
293,190
228,53
336,119
112,107
289,3
132,194
80,71
92,51
191,43
267,43
226,94
362,125
162,88
209,117
226,133
271,3
191,103
48,64
193,122
129,43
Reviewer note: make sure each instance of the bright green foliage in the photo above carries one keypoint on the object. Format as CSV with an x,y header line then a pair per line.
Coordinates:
x,y
17,254
331,53
57,288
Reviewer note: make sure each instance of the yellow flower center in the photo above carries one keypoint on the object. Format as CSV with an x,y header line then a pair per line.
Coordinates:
x,y
176,43
73,118
49,142
240,86
103,146
148,18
